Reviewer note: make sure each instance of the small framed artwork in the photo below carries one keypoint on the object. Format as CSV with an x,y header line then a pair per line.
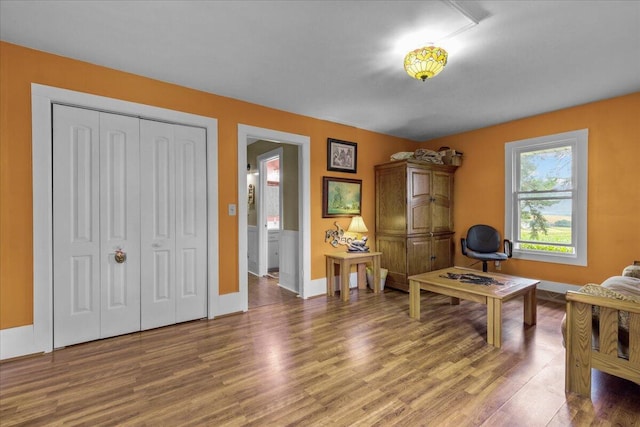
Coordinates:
x,y
342,156
341,197
252,194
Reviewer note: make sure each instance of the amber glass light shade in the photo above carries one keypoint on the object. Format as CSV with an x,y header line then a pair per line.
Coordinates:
x,y
426,62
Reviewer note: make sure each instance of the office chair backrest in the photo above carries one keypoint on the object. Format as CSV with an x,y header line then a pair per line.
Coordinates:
x,y
483,238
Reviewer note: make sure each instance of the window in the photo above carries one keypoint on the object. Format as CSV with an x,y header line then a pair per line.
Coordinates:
x,y
546,198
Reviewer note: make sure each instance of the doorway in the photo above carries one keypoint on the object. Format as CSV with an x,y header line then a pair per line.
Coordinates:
x,y
294,249
267,220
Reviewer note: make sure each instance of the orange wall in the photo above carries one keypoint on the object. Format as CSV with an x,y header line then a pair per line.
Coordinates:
x,y
19,67
614,185
613,234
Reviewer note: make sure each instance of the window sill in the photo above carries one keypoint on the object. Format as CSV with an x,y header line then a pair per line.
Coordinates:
x,y
556,259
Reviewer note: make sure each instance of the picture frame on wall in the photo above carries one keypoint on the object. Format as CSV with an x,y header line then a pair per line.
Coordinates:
x,y
342,156
341,197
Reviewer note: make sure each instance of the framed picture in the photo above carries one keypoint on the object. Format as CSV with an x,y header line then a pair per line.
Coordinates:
x,y
252,194
342,156
341,197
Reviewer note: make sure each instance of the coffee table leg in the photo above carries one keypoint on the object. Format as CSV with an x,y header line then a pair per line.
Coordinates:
x,y
494,322
414,299
530,307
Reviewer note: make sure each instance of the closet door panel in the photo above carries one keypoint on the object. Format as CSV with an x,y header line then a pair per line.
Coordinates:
x,y
119,224
76,209
191,223
157,212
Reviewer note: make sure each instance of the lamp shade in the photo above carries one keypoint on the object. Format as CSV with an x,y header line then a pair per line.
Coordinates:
x,y
426,62
357,225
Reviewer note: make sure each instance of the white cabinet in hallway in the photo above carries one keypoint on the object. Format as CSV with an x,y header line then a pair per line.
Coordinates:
x,y
273,258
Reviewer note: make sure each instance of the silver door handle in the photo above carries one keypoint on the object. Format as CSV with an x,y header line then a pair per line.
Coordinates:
x,y
156,245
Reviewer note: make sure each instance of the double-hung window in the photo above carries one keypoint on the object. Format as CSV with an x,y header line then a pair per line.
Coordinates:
x,y
546,197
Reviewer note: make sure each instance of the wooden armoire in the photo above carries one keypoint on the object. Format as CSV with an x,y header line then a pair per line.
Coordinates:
x,y
414,218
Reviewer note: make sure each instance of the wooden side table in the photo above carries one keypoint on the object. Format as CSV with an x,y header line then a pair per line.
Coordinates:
x,y
345,260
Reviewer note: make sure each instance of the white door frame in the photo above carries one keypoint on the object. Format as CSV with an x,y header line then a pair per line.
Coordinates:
x,y
263,232
246,134
42,97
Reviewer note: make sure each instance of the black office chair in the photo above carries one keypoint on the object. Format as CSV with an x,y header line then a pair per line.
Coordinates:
x,y
483,243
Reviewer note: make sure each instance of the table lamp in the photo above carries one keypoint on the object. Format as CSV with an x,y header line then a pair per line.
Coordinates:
x,y
357,226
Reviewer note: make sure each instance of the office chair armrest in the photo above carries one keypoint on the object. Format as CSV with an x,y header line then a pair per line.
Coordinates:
x,y
463,244
508,247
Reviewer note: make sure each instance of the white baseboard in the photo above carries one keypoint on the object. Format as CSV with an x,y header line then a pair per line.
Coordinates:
x,y
317,287
287,288
21,341
228,303
559,288
15,342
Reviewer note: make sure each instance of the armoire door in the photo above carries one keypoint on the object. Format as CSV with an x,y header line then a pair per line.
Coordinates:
x,y
442,213
418,201
95,213
173,229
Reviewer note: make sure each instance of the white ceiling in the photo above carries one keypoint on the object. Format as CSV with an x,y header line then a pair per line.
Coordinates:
x,y
342,60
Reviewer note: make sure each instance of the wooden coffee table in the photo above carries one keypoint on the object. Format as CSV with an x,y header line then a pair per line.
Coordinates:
x,y
501,288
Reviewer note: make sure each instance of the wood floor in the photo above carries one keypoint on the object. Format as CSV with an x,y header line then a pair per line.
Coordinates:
x,y
265,291
319,362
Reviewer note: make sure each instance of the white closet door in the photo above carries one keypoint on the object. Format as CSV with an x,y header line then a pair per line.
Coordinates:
x,y
173,212
96,212
130,185
191,223
76,225
119,224
157,179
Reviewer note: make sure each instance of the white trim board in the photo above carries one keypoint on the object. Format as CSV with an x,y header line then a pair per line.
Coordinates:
x,y
556,287
318,287
39,336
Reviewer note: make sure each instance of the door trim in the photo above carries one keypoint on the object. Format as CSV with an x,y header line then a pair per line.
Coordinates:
x,y
42,98
246,133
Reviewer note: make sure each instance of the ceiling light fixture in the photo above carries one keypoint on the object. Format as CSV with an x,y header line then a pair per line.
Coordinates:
x,y
426,62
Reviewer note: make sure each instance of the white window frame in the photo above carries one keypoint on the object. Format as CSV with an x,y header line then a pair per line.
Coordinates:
x,y
578,140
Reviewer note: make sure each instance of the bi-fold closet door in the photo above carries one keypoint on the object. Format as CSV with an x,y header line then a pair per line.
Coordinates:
x,y
174,226
133,188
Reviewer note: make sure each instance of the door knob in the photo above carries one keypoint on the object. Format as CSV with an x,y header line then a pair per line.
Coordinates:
x,y
156,245
120,256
